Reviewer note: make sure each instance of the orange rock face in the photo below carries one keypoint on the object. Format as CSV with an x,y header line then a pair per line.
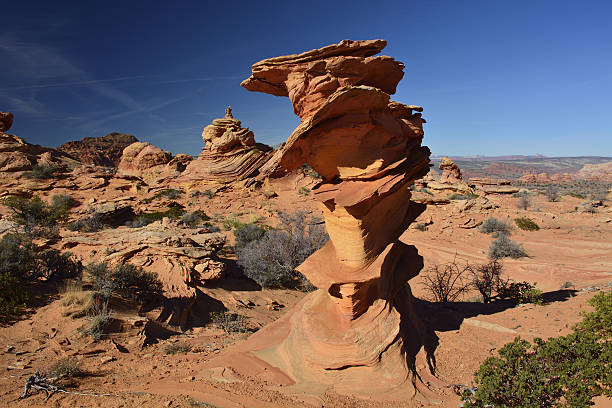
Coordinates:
x,y
450,171
358,332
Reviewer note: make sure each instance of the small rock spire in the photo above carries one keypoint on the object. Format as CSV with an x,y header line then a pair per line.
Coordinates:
x,y
228,112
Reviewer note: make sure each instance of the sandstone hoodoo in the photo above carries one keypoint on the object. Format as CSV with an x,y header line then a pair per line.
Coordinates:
x,y
100,151
230,153
358,333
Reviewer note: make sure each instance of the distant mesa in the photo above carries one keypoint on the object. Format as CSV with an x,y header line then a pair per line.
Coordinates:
x,y
100,151
230,153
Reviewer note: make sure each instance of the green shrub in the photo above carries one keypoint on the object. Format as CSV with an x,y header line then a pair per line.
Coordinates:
x,y
421,226
456,196
231,223
195,218
170,193
42,172
147,218
90,223
504,247
304,191
36,217
495,226
563,371
271,260
526,224
126,280
248,233
176,348
229,322
522,292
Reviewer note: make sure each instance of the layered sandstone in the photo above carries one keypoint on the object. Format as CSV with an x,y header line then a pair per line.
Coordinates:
x,y
100,151
596,172
230,153
358,333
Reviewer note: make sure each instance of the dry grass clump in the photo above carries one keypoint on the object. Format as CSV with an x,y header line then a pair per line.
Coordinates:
x,y
66,367
176,348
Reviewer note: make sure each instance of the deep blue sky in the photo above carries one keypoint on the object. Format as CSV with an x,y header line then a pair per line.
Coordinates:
x,y
494,77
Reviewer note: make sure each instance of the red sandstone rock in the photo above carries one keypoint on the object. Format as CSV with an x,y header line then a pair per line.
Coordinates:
x,y
450,171
596,172
101,151
150,163
6,121
359,332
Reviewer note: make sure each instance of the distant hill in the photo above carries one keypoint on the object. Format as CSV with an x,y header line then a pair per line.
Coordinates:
x,y
516,166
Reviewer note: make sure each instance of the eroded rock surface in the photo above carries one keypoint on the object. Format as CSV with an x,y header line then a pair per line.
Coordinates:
x,y
150,163
358,333
101,151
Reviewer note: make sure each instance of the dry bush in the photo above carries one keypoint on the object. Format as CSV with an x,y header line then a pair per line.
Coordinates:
x,y
66,367
446,283
523,203
176,348
486,278
495,226
504,247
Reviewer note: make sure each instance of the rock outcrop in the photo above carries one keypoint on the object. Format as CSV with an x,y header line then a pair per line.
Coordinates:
x,y
450,171
17,155
596,172
492,186
230,153
358,333
150,163
100,151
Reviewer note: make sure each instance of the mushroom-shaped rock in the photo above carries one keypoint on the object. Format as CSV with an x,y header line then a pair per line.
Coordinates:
x,y
359,333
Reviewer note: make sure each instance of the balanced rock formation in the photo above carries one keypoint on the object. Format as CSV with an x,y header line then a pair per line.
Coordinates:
x,y
358,333
101,151
230,153
150,163
450,171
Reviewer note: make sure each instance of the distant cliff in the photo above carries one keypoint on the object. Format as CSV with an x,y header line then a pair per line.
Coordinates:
x,y
101,151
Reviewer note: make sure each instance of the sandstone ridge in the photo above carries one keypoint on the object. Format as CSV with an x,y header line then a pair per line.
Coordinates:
x,y
100,151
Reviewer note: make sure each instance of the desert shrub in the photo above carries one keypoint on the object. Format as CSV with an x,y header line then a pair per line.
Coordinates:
x,y
526,224
424,190
90,223
303,191
206,193
495,226
195,218
576,195
231,223
176,348
456,196
248,233
147,218
567,285
522,292
552,193
271,260
126,280
564,371
523,203
589,208
522,193
36,217
63,201
229,322
66,367
42,171
421,226
486,278
447,282
56,265
504,247
170,193
98,322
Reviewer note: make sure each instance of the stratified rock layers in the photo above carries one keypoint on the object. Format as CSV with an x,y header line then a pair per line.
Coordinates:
x,y
229,154
358,333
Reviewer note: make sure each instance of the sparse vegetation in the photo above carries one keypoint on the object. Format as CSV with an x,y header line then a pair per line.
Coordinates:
x,y
526,224
495,226
147,218
169,193
522,292
98,322
576,195
271,260
523,203
504,247
177,347
195,219
248,233
304,191
552,193
421,226
229,322
446,283
42,171
37,218
562,371
487,279
456,196
125,280
66,367
90,223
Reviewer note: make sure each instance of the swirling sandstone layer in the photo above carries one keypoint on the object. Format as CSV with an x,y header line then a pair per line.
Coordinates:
x,y
230,153
358,333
